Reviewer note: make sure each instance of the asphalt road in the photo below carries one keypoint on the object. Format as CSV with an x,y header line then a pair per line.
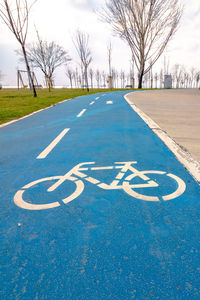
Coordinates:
x,y
95,206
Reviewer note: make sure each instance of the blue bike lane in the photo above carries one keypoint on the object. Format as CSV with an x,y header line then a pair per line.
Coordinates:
x,y
106,243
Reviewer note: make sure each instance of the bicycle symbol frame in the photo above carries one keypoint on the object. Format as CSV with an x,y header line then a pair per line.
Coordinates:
x,y
77,175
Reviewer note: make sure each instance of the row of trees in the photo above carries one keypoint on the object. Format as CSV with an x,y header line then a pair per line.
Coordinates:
x,y
184,79
145,25
181,78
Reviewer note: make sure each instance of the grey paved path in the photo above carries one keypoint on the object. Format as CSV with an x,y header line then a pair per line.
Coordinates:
x,y
175,111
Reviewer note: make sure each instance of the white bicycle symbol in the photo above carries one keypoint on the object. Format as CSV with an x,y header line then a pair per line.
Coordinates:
x,y
77,172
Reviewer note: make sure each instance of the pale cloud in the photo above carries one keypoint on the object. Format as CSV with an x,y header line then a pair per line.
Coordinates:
x,y
84,4
183,49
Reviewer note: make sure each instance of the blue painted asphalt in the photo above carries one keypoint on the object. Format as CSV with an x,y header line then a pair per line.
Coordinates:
x,y
105,244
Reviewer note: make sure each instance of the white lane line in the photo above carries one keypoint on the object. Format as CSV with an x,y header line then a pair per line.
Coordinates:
x,y
109,102
49,148
81,113
92,103
96,98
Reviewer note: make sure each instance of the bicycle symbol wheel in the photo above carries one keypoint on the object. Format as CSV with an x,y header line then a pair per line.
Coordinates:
x,y
19,201
129,189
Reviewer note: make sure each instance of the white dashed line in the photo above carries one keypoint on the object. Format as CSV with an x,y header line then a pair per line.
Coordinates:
x,y
96,98
109,102
48,149
81,113
92,103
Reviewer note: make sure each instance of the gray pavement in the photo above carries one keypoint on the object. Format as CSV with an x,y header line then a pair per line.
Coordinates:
x,y
177,112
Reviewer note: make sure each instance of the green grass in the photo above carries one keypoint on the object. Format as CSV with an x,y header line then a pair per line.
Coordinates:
x,y
15,104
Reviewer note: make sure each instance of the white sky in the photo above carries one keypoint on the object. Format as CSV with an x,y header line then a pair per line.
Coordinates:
x,y
58,21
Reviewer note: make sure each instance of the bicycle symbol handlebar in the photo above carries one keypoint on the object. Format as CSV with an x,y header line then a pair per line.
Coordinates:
x,y
77,175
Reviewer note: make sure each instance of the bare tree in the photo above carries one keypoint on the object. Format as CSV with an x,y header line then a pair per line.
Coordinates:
x,y
109,49
117,78
145,80
156,80
104,78
186,79
132,72
177,70
76,76
161,78
122,77
81,43
47,56
91,73
114,77
151,77
127,79
110,79
69,73
192,76
197,78
98,78
16,18
79,80
146,25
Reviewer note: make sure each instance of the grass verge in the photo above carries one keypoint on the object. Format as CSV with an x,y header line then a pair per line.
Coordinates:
x,y
15,104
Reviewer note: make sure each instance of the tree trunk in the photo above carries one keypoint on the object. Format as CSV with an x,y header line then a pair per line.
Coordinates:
x,y
86,80
140,77
48,82
29,71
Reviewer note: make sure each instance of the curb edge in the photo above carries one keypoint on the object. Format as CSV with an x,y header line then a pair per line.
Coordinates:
x,y
184,157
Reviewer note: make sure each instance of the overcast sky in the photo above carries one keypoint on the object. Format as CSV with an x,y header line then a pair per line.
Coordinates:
x,y
59,20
